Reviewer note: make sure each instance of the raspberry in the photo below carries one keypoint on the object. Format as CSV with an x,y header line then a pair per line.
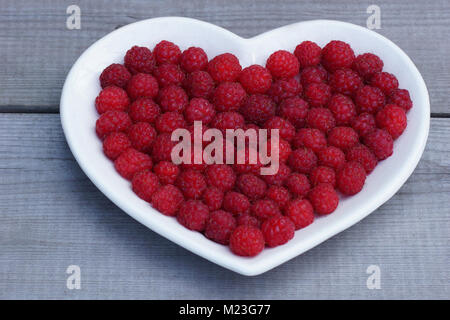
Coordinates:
x,y
278,178
193,59
142,85
167,200
324,198
392,118
264,209
224,67
367,65
386,82
350,179
284,88
112,98
139,60
144,110
112,121
199,84
228,96
199,109
115,75
213,198
303,160
282,147
279,195
142,135
144,184
342,137
258,108
166,52
322,174
343,109
317,94
369,99
336,55
295,110
219,226
115,143
246,219
227,120
173,98
169,74
283,64
169,121
286,129
360,153
300,212
313,75
251,186
401,98
345,81
310,138
381,143
162,147
246,241
320,118
308,54
298,184
364,124
193,214
277,230
166,171
331,157
221,176
192,183
236,202
132,161
255,79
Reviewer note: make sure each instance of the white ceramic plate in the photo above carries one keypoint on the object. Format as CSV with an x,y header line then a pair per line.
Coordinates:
x,y
78,116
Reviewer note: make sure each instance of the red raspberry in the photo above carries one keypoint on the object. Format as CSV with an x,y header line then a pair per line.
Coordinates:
x,y
282,147
112,98
300,212
284,88
345,81
283,64
166,171
320,118
380,142
144,184
264,209
286,129
295,110
115,143
364,124
322,174
112,121
280,195
331,157
336,55
173,98
255,79
277,230
236,202
193,214
247,219
169,121
278,178
221,176
303,160
193,59
251,186
308,54
343,109
142,135
392,118
142,85
350,179
313,75
169,74
228,96
310,138
115,75
162,147
199,109
324,198
360,153
401,98
246,241
219,226
386,82
166,52
369,99
167,200
367,65
132,161
317,94
199,84
227,120
192,183
144,110
224,67
139,60
213,198
298,184
258,108
342,137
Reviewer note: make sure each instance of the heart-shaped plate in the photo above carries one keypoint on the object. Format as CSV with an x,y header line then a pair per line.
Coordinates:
x,y
78,116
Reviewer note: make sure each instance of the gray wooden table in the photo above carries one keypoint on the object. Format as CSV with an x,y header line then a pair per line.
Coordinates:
x,y
52,216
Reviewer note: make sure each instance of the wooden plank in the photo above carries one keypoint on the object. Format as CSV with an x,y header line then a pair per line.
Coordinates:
x,y
51,216
37,50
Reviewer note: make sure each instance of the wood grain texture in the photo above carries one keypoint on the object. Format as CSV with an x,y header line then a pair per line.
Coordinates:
x,y
37,50
52,216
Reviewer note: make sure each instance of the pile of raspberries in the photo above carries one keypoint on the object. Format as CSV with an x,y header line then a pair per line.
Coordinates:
x,y
338,115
